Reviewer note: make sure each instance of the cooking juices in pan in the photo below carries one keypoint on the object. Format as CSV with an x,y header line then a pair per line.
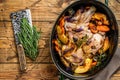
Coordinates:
x,y
81,39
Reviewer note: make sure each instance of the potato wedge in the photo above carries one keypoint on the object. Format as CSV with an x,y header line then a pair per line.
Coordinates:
x,y
61,35
63,38
59,30
99,16
106,44
85,68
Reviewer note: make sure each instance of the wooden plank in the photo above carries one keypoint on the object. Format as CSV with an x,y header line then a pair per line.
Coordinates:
x,y
8,50
37,11
40,10
6,32
5,43
7,29
114,6
10,56
10,43
15,67
117,15
11,71
1,10
115,78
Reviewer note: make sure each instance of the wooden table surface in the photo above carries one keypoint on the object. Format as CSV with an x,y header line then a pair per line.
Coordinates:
x,y
44,14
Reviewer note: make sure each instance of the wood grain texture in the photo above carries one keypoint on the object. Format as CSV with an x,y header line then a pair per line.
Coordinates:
x,y
34,71
44,15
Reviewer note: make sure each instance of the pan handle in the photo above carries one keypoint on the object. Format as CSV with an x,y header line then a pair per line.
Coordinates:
x,y
106,2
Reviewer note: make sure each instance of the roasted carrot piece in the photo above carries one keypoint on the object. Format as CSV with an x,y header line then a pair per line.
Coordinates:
x,y
57,48
53,40
99,23
56,43
94,30
91,25
106,22
62,22
103,28
94,63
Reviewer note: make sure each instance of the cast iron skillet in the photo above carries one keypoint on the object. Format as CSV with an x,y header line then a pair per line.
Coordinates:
x,y
112,34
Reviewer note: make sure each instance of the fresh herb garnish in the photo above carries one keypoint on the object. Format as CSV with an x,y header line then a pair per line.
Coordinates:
x,y
81,41
28,37
101,61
